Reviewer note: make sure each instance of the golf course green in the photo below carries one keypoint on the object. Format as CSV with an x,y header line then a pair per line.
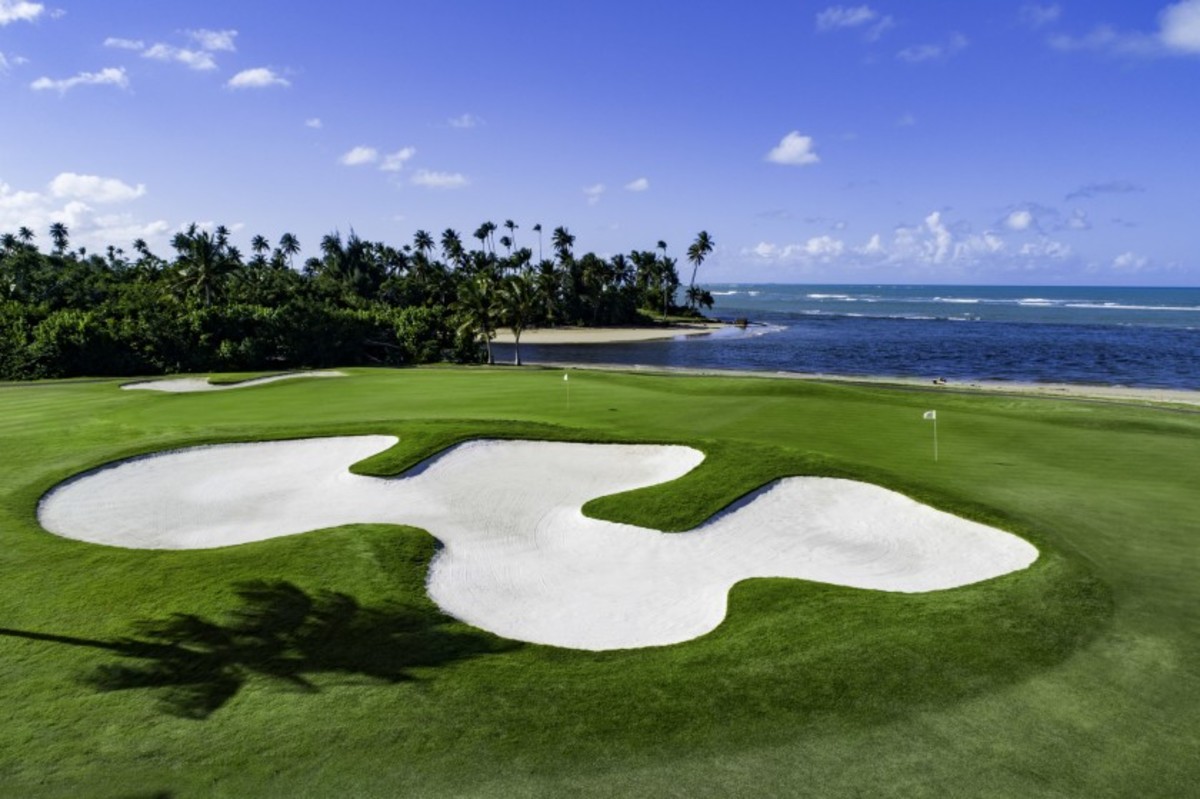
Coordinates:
x,y
315,665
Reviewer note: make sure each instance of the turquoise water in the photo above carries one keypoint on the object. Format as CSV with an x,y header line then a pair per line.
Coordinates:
x,y
1107,336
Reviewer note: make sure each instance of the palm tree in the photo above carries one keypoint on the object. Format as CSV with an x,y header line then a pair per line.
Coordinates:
x,y
563,242
662,245
60,236
289,245
25,235
696,254
205,262
518,304
538,230
423,242
9,242
511,227
452,247
477,310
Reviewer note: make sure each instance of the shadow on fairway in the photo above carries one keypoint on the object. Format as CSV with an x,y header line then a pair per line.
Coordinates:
x,y
279,632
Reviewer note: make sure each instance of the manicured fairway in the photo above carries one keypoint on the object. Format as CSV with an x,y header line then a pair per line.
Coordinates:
x,y
315,665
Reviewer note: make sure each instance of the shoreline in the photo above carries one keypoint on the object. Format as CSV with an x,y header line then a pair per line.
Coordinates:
x,y
1072,391
607,335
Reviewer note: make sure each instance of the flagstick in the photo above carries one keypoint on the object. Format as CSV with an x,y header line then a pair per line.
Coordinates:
x,y
935,451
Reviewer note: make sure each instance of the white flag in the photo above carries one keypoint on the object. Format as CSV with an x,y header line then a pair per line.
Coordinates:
x,y
930,415
567,378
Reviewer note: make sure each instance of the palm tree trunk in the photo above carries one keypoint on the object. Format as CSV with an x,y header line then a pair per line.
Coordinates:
x,y
516,348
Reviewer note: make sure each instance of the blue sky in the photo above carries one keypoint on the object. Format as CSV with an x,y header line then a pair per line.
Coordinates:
x,y
932,142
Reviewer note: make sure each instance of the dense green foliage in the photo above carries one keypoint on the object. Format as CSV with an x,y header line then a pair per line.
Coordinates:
x,y
315,665
67,313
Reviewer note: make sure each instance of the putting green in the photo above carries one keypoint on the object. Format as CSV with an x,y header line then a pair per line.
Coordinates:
x,y
315,665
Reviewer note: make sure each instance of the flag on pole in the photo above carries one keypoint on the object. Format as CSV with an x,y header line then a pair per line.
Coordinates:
x,y
567,378
931,416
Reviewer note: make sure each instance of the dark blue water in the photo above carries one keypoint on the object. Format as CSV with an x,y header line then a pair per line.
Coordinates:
x,y
1105,336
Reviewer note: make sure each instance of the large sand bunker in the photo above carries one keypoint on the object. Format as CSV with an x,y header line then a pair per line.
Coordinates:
x,y
187,385
520,558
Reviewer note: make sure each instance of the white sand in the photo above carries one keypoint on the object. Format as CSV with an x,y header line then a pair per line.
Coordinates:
x,y
520,558
181,385
607,335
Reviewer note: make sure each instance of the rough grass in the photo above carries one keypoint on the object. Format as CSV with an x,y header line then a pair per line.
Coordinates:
x,y
315,665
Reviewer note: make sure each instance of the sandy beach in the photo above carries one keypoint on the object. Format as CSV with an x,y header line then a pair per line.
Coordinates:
x,y
607,335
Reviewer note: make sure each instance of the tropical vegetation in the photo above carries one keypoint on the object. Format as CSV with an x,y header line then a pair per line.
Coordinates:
x,y
208,307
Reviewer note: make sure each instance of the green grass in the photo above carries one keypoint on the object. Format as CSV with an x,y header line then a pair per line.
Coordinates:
x,y
315,665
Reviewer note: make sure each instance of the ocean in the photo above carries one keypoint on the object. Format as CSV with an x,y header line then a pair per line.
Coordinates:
x,y
1147,337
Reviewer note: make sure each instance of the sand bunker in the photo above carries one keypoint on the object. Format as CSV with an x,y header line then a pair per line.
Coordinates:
x,y
520,558
182,385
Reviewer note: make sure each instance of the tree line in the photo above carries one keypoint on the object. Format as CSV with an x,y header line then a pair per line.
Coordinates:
x,y
207,306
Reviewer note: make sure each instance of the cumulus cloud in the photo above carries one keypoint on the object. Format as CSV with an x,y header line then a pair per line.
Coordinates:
x,y
68,198
214,40
1130,262
93,188
1179,26
1038,16
439,180
842,17
934,247
934,52
1178,34
124,44
257,78
110,76
1019,220
193,59
360,155
794,150
1090,190
394,162
465,121
19,11
313,122
593,193
641,184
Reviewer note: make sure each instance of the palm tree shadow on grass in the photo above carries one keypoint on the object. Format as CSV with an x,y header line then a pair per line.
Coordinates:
x,y
284,634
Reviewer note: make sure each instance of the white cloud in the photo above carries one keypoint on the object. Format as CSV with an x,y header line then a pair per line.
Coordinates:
x,y
1130,262
92,188
934,52
214,40
794,150
1038,16
836,17
465,121
193,59
124,44
641,184
841,17
9,61
111,76
257,78
1019,220
1078,221
593,193
313,122
824,247
394,162
439,180
66,200
360,155
1179,26
1178,34
19,11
